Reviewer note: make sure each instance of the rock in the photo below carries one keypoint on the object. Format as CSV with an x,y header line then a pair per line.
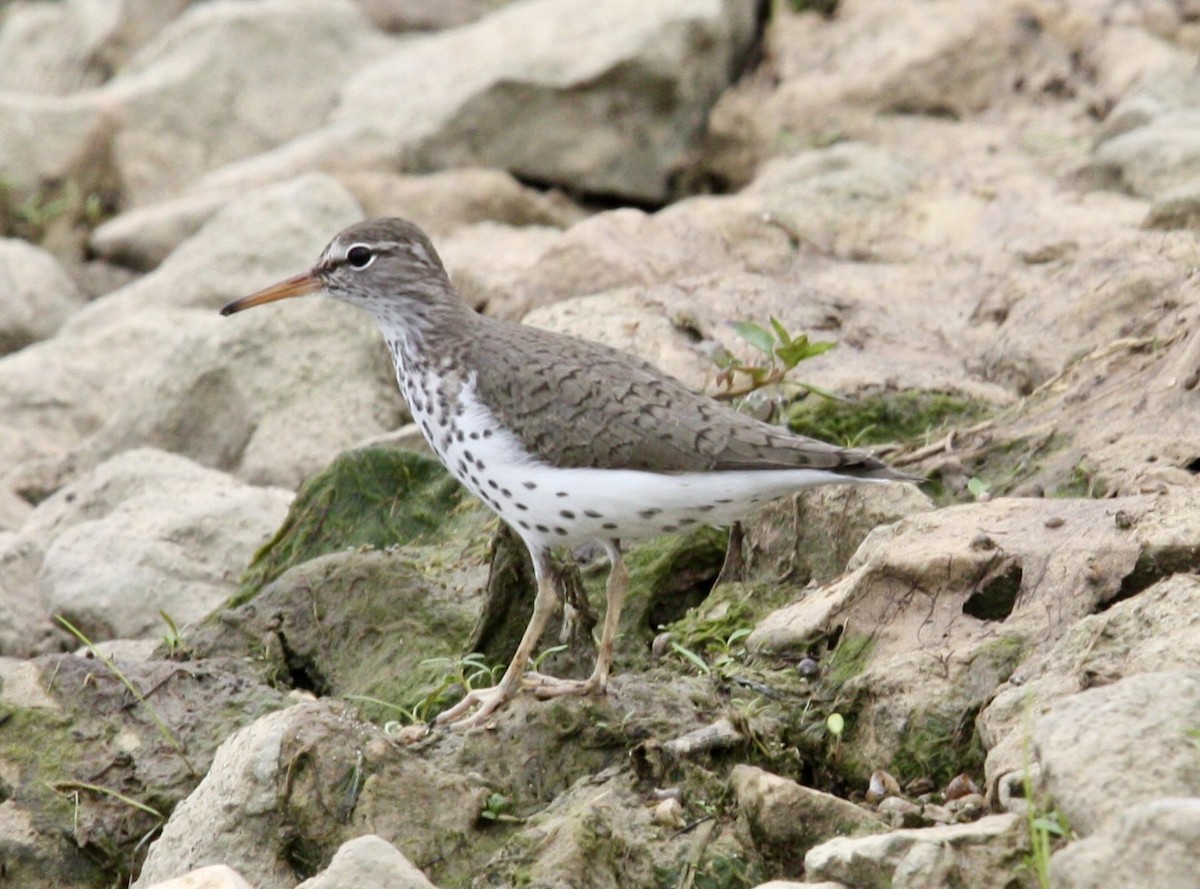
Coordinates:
x,y
599,833
982,854
146,532
443,202
425,15
51,139
1178,208
199,61
1155,158
62,821
1156,630
785,818
1133,732
215,876
487,263
143,237
542,76
368,861
173,543
984,599
1150,844
39,295
307,777
64,47
912,60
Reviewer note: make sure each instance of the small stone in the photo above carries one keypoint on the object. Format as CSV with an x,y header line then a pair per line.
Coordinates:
x,y
809,667
882,785
1055,522
937,814
960,786
669,813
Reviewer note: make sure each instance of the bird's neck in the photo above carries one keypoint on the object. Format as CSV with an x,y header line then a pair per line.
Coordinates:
x,y
424,337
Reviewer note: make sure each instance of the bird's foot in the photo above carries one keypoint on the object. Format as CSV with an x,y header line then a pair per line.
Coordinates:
x,y
478,705
549,687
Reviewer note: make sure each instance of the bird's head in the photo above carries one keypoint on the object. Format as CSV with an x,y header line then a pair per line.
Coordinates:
x,y
386,266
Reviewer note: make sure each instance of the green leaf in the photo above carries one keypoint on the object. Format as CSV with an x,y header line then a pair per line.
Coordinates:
x,y
977,486
756,335
1049,824
691,656
800,349
780,331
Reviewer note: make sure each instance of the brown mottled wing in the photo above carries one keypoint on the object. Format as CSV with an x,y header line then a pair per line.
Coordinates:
x,y
595,406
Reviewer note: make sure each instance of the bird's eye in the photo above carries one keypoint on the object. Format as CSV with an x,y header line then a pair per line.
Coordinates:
x,y
359,256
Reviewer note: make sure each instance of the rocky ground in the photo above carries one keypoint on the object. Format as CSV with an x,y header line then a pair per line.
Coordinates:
x,y
228,589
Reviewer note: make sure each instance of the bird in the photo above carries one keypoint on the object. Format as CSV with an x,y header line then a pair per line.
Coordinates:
x,y
568,441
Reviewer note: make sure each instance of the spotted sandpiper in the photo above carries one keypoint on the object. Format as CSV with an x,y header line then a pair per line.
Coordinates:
x,y
568,441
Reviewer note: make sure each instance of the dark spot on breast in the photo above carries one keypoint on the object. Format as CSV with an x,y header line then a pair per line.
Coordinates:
x,y
487,433
649,513
474,436
561,532
492,484
566,513
725,500
670,529
561,494
609,526
458,435
521,506
707,507
531,486
542,528
592,514
524,525
506,492
479,465
470,457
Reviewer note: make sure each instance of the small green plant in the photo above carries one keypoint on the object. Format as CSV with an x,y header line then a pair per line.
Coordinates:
x,y
782,352
1046,828
468,672
727,653
978,488
111,666
172,638
498,808
835,724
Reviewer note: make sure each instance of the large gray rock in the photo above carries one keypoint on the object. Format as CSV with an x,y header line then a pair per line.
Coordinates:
x,y
37,295
59,48
304,777
1135,733
1157,630
228,80
1151,845
783,817
175,545
146,532
369,861
982,854
607,97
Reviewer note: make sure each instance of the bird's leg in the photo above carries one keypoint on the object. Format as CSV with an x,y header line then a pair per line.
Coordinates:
x,y
615,591
488,700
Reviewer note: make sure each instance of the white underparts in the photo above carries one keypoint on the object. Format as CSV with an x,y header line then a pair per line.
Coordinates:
x,y
548,506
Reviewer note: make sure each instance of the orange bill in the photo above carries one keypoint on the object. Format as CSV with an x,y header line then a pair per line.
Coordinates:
x,y
300,285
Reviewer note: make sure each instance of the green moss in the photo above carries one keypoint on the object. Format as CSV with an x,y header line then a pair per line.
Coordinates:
x,y
374,497
667,576
850,658
1082,484
882,417
940,744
